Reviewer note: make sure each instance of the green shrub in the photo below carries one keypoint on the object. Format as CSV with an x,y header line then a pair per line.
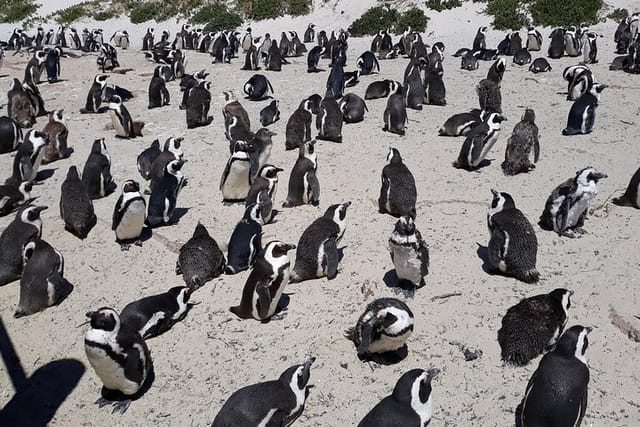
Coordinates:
x,y
507,14
618,14
414,18
70,14
217,17
262,9
143,12
103,15
17,10
440,5
556,13
298,7
373,20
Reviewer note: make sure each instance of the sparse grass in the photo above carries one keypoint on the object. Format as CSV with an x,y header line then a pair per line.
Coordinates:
x,y
618,14
17,10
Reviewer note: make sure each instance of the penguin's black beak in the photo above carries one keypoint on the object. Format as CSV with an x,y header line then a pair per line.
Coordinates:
x,y
347,204
89,314
39,209
432,373
589,329
494,192
289,247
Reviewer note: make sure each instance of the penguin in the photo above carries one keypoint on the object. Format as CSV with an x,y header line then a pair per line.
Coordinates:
x,y
367,63
274,58
34,67
154,315
479,42
95,95
462,123
245,241
263,191
25,227
14,196
533,326
489,96
145,159
317,253
164,195
10,135
298,130
557,391
469,61
270,114
37,102
96,175
414,90
266,282
522,57
582,114
28,157
556,46
258,88
335,81
52,64
580,79
382,331
121,119
200,259
304,187
284,45
57,134
381,89
329,119
409,254
247,40
129,215
410,404
571,42
233,108
398,191
590,48
251,59
158,93
351,78
119,356
487,54
504,45
76,208
540,65
434,88
172,150
19,107
313,58
496,71
534,40
198,104
523,140
631,197
566,208
236,177
353,108
515,43
260,150
395,115
310,34
279,402
41,283
513,246
478,142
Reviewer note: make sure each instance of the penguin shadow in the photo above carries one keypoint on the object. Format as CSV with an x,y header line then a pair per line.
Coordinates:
x,y
281,309
407,289
483,164
39,396
483,254
178,213
387,358
45,174
65,290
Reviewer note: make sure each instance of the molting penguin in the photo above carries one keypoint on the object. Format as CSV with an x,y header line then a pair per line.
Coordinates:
x,y
410,404
257,88
524,139
200,259
582,114
567,206
398,191
19,108
489,96
279,402
266,282
119,356
13,196
236,177
57,134
409,254
434,88
10,135
513,245
121,119
353,108
478,142
146,158
245,242
557,391
304,187
96,175
198,104
533,326
270,114
158,93
28,157
460,124
26,227
129,215
263,191
317,253
469,61
156,314
395,114
76,208
162,202
540,65
329,119
631,197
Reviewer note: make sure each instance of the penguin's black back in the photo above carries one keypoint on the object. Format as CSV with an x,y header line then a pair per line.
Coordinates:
x,y
391,413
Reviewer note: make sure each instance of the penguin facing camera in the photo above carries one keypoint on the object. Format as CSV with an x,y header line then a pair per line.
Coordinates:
x,y
121,119
409,254
129,215
164,196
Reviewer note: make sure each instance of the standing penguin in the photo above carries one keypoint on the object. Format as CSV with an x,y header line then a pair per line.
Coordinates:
x,y
279,402
121,119
489,96
164,196
26,227
96,175
524,139
28,157
310,34
76,208
353,108
336,80
146,158
266,282
247,40
382,331
119,356
409,254
313,58
14,196
534,39
513,245
236,177
129,215
582,114
147,40
631,197
557,391
590,48
19,108
478,142
414,89
298,130
57,134
233,107
398,191
567,206
156,314
158,93
522,57
317,253
304,187
533,326
198,104
95,95
395,115
274,57
556,46
34,67
571,42
200,259
367,63
52,64
410,404
10,135
245,243
479,42
263,191
496,71
172,150
258,87
329,119
270,114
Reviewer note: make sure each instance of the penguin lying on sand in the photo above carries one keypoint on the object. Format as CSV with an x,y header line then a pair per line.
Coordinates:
x,y
156,314
200,259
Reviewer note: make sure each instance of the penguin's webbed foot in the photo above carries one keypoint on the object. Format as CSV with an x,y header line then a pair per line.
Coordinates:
x,y
580,230
102,402
124,247
279,316
138,242
121,406
568,233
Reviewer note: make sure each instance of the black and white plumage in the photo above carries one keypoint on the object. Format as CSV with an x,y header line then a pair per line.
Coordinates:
x,y
153,315
557,391
164,196
540,65
28,157
245,241
263,191
590,48
200,259
567,206
76,207
96,175
382,331
121,119
410,404
258,87
19,107
479,41
461,123
329,119
236,177
582,115
533,326
279,402
353,108
10,135
534,40
171,150
580,80
270,114
409,254
478,142
158,93
395,115
631,196
304,187
146,158
398,192
26,227
313,58
13,196
317,252
119,356
513,245
367,63
298,130
523,147
382,89
129,215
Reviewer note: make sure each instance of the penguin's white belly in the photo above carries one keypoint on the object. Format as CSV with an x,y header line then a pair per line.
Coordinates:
x,y
305,188
117,124
577,209
321,270
111,373
132,222
387,343
51,293
407,263
36,165
236,186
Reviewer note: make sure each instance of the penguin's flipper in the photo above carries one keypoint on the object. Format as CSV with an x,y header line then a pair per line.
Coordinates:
x,y
264,298
536,151
133,368
560,221
382,201
314,187
269,83
496,248
331,257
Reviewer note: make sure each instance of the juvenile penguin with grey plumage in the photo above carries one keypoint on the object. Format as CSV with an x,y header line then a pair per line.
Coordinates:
x,y
198,104
478,142
298,130
57,134
245,241
200,259
96,175
382,331
631,197
489,96
398,192
409,254
533,326
523,147
317,252
129,215
566,208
